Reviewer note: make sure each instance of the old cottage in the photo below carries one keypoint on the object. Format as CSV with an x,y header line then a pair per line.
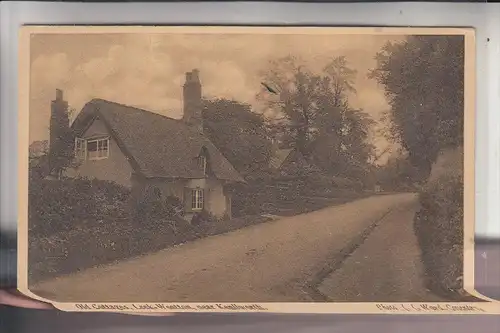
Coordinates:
x,y
154,155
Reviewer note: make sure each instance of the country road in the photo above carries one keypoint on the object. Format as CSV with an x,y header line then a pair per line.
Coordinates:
x,y
285,260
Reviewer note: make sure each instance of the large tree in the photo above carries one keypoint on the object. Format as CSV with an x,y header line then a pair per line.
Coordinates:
x,y
424,82
341,145
239,133
314,114
291,100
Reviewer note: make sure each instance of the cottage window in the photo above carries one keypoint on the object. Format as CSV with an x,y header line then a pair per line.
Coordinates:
x,y
203,164
92,149
197,199
98,149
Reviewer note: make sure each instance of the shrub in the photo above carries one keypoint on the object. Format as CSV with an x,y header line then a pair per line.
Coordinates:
x,y
248,199
439,226
59,205
203,218
38,168
161,209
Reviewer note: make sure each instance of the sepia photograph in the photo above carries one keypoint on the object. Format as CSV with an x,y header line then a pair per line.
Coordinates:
x,y
248,165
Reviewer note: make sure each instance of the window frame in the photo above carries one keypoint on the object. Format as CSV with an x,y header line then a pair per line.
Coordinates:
x,y
82,151
203,163
98,141
197,199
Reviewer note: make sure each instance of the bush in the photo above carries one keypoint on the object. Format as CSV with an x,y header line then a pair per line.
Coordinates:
x,y
439,226
203,218
170,208
248,199
290,193
81,248
60,205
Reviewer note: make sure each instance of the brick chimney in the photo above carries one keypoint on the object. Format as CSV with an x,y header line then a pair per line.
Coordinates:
x,y
193,100
59,129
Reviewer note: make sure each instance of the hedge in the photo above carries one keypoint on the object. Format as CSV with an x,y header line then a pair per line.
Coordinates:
x,y
56,206
76,224
439,225
293,196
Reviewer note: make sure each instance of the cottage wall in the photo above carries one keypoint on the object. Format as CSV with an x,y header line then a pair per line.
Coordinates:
x,y
216,199
115,168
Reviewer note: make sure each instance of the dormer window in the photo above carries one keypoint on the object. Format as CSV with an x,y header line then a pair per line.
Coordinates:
x,y
92,149
202,160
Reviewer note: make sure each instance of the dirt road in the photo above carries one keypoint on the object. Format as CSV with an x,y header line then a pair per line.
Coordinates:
x,y
385,268
275,261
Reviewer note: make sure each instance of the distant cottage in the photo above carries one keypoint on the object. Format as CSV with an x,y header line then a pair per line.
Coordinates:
x,y
287,161
153,154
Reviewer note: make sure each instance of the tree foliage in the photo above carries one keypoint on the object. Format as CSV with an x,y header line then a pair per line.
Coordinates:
x,y
294,103
397,174
341,146
424,82
312,113
239,133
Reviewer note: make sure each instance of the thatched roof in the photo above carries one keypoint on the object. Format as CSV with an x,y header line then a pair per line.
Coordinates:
x,y
156,145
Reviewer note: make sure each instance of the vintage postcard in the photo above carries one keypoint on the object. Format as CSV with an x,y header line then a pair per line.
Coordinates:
x,y
244,169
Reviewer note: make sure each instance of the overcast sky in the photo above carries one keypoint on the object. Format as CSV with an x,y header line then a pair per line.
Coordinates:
x,y
147,71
